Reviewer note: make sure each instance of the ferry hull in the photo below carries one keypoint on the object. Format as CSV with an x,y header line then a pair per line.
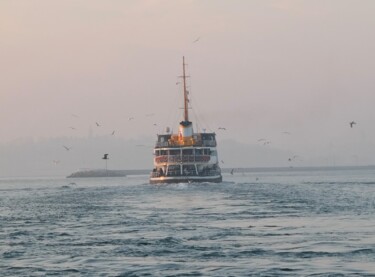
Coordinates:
x,y
185,179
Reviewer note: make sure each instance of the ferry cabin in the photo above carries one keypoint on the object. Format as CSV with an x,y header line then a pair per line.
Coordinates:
x,y
196,156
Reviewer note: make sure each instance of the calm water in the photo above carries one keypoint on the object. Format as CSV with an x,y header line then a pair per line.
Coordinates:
x,y
307,223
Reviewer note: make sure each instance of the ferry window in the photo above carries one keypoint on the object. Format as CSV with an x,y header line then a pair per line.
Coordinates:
x,y
174,152
163,152
161,139
157,153
213,153
206,151
198,151
189,170
187,151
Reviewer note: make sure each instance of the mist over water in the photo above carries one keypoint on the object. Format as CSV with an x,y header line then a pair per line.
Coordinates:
x,y
290,223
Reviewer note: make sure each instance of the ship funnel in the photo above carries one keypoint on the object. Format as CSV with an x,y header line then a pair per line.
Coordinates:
x,y
186,129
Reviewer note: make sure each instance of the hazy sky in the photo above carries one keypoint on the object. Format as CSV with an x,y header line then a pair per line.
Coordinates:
x,y
259,68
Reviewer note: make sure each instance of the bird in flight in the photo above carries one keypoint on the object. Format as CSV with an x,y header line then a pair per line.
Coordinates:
x,y
105,157
131,118
352,123
197,39
67,148
231,172
97,124
262,139
266,142
293,158
286,133
56,162
73,128
222,128
113,133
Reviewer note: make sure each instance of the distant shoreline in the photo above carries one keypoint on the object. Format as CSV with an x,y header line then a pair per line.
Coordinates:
x,y
127,172
257,169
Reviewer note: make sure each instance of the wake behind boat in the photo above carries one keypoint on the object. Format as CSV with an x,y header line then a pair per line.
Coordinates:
x,y
185,156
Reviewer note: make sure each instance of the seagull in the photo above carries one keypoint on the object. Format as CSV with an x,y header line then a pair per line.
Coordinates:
x,y
56,162
131,118
105,157
155,124
352,123
73,128
262,139
286,133
266,142
67,148
197,39
222,161
293,158
97,124
222,128
113,133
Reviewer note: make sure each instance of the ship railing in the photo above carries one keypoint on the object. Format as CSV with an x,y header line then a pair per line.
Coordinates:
x,y
162,144
207,143
186,173
192,173
182,159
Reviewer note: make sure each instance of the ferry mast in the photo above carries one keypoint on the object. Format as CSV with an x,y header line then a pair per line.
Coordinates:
x,y
186,100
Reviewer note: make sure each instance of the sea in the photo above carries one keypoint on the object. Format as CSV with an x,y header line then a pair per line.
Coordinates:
x,y
306,222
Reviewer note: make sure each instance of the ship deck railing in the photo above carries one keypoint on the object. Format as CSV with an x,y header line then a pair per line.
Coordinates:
x,y
187,173
205,143
182,159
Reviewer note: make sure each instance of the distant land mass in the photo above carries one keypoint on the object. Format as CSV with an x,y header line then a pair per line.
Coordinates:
x,y
94,173
87,173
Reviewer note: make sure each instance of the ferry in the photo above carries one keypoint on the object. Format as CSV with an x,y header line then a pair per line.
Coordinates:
x,y
186,156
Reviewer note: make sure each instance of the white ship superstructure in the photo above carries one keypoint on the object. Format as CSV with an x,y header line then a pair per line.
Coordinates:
x,y
186,156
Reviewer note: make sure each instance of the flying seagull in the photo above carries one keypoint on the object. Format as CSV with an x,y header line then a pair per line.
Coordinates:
x,y
293,158
131,118
352,123
222,128
105,157
113,133
67,148
97,124
197,39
